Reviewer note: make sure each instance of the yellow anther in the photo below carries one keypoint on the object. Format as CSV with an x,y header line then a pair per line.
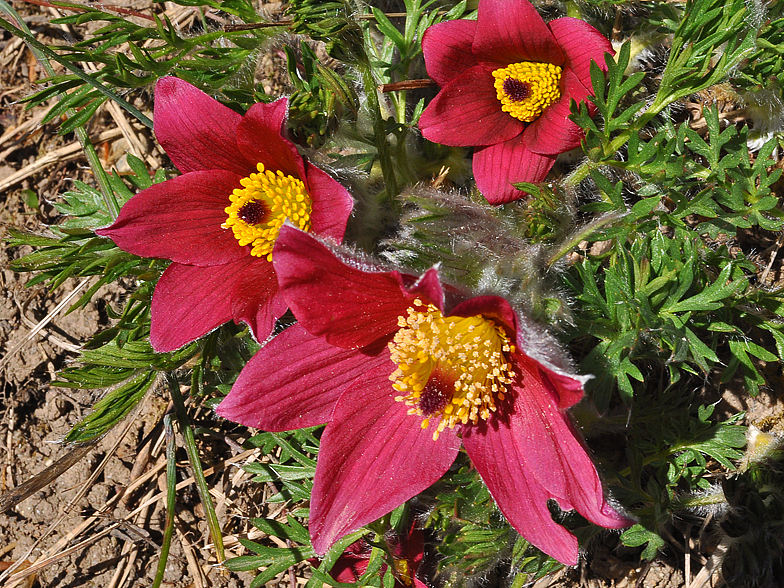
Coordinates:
x,y
527,88
454,383
258,209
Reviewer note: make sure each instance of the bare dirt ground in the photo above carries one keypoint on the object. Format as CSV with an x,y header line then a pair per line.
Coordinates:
x,y
100,523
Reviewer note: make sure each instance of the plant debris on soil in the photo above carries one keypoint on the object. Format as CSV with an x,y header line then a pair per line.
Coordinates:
x,y
100,522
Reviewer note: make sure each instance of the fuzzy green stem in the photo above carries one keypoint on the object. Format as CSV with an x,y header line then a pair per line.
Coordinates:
x,y
579,174
400,107
695,501
583,234
573,9
384,154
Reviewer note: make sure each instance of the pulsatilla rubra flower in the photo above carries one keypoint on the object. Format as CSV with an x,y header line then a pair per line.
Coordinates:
x,y
219,220
407,553
402,377
507,82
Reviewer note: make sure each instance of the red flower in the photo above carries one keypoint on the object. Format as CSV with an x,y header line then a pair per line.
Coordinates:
x,y
218,221
401,377
407,553
507,82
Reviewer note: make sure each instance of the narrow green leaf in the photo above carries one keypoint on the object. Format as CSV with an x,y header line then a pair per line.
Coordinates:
x,y
198,472
171,499
111,409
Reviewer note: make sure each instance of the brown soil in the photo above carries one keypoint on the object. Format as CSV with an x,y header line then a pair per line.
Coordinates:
x,y
85,528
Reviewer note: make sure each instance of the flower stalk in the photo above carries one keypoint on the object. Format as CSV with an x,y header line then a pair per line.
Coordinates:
x,y
385,160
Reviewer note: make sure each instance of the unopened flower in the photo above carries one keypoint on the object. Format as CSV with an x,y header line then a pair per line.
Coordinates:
x,y
761,447
765,109
507,81
402,374
218,221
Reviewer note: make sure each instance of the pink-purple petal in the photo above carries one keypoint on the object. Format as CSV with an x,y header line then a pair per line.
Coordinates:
x,y
492,307
467,112
551,451
255,298
447,49
180,219
293,382
553,132
427,287
511,31
348,307
518,495
188,303
498,166
580,43
191,301
259,138
331,204
566,389
374,456
197,131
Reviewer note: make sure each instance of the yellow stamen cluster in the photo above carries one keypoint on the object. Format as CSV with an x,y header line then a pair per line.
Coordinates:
x,y
403,571
279,196
525,89
462,356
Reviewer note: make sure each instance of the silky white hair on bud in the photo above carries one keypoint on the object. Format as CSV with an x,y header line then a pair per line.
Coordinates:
x,y
756,13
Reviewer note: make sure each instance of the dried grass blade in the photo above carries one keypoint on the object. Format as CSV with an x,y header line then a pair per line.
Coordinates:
x,y
45,321
12,498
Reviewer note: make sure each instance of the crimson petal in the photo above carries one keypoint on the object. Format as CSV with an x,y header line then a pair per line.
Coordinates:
x,y
566,389
255,299
511,31
498,166
541,349
292,382
374,456
447,49
519,496
188,302
355,307
331,204
581,43
552,452
259,138
180,219
553,132
492,307
197,132
467,112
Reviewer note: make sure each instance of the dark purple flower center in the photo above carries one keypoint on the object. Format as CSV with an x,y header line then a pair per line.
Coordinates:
x,y
436,394
516,90
253,212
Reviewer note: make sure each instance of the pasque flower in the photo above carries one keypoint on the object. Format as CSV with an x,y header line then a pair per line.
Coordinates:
x,y
219,220
407,552
402,373
507,81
